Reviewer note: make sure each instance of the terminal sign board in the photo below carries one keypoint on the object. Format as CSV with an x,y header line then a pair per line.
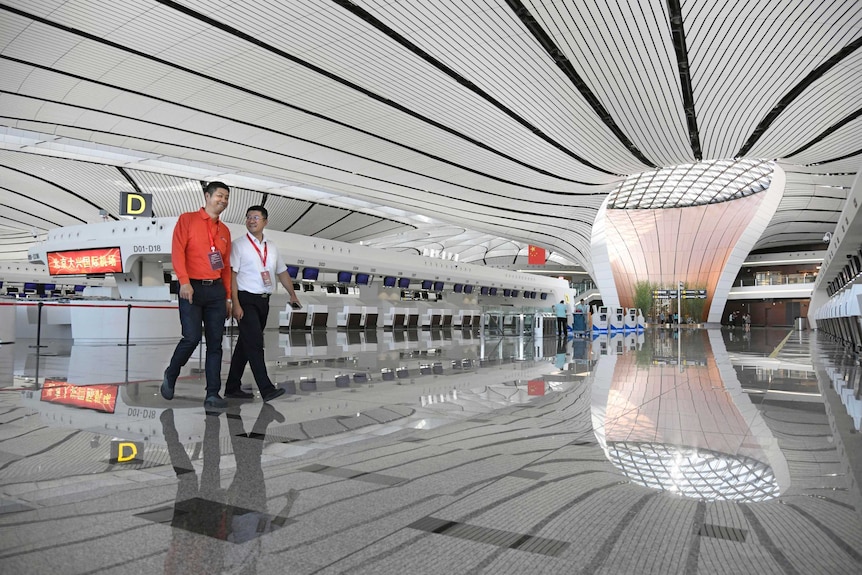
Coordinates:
x,y
97,397
685,294
81,262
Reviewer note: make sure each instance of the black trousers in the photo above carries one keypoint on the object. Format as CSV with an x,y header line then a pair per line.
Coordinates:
x,y
249,344
562,326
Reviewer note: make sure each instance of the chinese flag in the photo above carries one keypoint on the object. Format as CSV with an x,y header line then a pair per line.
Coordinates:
x,y
536,387
536,255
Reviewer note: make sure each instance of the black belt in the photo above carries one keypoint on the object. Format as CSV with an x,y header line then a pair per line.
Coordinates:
x,y
206,282
260,295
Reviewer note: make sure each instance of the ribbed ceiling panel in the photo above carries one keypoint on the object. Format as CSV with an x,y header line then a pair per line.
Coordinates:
x,y
374,230
823,105
486,45
172,196
464,112
345,226
318,220
736,72
79,188
634,77
284,212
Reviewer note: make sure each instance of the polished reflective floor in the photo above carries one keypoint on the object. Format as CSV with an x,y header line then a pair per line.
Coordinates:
x,y
701,451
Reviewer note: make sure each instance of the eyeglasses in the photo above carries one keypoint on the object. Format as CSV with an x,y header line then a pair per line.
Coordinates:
x,y
253,218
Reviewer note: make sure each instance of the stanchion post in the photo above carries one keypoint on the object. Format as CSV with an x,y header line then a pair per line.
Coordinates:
x,y
38,340
128,332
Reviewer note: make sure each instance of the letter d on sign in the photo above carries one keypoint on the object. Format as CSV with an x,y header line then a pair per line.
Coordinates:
x,y
134,204
126,451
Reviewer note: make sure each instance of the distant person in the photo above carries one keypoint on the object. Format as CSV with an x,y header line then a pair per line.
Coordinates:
x,y
579,319
746,321
562,316
255,264
200,255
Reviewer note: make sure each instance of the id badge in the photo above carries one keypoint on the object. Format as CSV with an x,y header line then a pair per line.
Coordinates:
x,y
216,263
266,278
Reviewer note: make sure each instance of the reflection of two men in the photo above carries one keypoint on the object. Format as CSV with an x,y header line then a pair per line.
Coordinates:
x,y
205,515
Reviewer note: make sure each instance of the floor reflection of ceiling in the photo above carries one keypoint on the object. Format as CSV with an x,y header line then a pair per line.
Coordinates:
x,y
681,427
695,473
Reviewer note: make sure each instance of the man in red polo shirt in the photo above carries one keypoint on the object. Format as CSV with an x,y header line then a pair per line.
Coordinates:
x,y
201,259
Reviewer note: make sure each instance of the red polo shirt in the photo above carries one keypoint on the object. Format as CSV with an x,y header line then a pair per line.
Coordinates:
x,y
191,248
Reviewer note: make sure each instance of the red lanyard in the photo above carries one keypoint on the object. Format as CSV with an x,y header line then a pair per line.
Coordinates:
x,y
265,250
212,239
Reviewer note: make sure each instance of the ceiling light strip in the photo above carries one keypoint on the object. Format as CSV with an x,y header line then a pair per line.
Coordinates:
x,y
677,28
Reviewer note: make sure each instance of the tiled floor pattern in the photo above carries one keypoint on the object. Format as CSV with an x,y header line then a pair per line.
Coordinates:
x,y
461,473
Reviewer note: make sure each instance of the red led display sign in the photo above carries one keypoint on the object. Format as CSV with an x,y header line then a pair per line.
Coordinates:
x,y
80,262
97,397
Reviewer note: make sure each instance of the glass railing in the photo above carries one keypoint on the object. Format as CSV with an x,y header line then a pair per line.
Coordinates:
x,y
777,279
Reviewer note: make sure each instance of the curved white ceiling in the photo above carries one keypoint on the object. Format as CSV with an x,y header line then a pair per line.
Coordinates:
x,y
508,122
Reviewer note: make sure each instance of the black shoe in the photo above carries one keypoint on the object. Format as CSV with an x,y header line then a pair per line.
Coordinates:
x,y
167,388
167,417
276,392
269,414
215,401
238,394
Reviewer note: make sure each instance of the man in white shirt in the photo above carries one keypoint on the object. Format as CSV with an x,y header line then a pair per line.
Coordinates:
x,y
255,264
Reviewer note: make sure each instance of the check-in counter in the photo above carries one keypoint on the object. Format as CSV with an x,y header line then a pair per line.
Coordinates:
x,y
369,317
350,317
293,319
631,319
469,318
412,318
318,315
395,318
617,319
433,318
447,318
298,344
7,322
97,321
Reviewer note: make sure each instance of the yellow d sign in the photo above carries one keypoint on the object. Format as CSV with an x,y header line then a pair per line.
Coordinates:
x,y
126,451
134,204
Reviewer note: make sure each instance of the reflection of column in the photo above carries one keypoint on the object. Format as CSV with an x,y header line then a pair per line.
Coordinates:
x,y
690,431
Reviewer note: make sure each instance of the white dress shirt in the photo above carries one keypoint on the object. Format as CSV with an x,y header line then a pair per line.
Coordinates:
x,y
246,262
